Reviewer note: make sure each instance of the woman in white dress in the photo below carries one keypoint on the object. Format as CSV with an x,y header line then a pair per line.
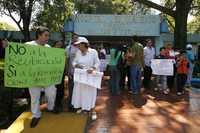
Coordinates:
x,y
84,96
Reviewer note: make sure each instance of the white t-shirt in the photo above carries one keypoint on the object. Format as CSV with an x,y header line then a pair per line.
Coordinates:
x,y
149,54
35,43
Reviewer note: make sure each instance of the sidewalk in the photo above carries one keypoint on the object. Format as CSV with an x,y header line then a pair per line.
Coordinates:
x,y
152,112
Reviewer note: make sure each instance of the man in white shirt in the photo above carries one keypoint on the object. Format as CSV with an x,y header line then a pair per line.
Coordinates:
x,y
149,54
42,37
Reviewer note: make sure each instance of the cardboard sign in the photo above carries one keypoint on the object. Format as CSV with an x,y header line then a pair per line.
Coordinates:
x,y
162,67
33,66
82,76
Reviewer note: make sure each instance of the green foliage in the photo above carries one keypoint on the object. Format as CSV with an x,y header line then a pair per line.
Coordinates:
x,y
168,3
6,26
54,14
194,25
104,6
195,11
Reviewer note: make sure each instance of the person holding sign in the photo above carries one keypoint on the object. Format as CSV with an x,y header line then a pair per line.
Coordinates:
x,y
84,96
42,37
161,80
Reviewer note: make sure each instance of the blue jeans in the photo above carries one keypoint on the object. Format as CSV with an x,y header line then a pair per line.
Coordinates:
x,y
135,78
189,76
114,79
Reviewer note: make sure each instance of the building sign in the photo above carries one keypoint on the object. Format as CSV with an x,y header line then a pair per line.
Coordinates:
x,y
117,25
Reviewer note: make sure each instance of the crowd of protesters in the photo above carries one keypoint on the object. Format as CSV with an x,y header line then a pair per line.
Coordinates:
x,y
81,98
126,63
137,64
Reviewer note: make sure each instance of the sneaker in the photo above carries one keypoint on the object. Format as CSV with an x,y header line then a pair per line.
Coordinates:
x,y
34,122
156,89
179,93
130,92
79,111
94,116
166,91
159,85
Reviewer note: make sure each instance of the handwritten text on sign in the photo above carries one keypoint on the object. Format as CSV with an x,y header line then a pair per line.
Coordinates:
x,y
82,76
162,67
31,66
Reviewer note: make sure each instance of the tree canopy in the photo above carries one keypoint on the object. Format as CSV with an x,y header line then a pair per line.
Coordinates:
x,y
104,6
22,8
53,14
179,11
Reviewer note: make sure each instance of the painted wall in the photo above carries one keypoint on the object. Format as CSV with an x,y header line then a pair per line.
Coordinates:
x,y
117,25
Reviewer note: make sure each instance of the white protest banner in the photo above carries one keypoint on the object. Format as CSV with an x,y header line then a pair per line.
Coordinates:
x,y
82,76
162,67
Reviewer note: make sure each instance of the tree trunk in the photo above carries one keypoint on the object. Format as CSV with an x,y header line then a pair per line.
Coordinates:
x,y
26,31
180,32
26,35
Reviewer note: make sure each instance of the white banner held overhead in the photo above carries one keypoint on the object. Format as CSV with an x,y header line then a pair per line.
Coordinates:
x,y
162,67
82,76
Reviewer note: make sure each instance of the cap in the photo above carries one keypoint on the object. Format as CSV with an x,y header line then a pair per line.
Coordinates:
x,y
81,40
189,46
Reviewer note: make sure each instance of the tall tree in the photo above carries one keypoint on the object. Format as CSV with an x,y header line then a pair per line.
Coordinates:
x,y
21,8
179,11
53,14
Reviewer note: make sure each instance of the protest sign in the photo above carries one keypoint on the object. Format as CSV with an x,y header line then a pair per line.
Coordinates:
x,y
93,79
32,66
162,67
